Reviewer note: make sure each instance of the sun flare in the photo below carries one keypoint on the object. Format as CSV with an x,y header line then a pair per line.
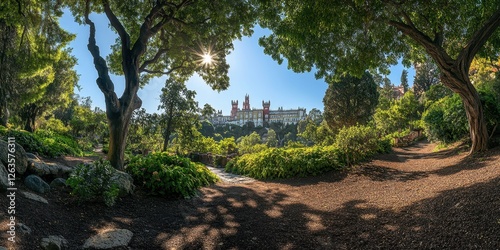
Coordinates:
x,y
207,59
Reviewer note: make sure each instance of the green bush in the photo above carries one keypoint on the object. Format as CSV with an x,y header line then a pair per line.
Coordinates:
x,y
445,120
93,182
162,174
57,144
357,143
44,142
285,163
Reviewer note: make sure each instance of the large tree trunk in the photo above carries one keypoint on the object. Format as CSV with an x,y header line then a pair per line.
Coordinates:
x,y
168,128
118,130
457,79
166,139
473,108
29,113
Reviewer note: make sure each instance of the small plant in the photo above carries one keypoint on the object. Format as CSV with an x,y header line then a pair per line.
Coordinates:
x,y
163,174
93,181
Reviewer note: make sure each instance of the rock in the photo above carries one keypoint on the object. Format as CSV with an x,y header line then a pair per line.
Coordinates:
x,y
109,239
41,168
34,197
38,167
124,181
23,228
36,184
60,170
20,156
54,242
58,182
32,156
4,179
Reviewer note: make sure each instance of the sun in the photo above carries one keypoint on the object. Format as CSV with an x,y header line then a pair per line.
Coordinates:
x,y
207,59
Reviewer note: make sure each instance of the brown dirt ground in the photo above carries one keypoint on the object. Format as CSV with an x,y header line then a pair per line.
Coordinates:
x,y
413,198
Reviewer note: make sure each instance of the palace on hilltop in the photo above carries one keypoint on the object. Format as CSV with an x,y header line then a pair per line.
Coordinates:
x,y
259,117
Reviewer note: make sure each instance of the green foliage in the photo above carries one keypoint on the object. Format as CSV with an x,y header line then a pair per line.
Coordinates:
x,y
435,93
400,115
179,108
357,143
55,125
227,146
445,120
162,174
426,76
350,100
44,142
94,182
285,163
145,132
353,145
272,141
250,144
57,144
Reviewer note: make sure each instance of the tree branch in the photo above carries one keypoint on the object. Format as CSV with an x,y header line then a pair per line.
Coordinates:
x,y
436,52
478,40
162,72
145,31
153,60
124,36
103,81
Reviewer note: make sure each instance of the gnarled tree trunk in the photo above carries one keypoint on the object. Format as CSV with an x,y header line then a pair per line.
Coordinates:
x,y
473,109
118,130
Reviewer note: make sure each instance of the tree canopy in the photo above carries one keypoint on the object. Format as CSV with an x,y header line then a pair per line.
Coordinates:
x,y
174,38
358,35
350,100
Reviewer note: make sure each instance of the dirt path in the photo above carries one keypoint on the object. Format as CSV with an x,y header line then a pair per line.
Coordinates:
x,y
413,198
229,177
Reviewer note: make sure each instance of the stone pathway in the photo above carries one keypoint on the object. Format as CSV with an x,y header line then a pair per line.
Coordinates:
x,y
228,177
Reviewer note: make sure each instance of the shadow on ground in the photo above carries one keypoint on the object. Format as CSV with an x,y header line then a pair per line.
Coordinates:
x,y
239,217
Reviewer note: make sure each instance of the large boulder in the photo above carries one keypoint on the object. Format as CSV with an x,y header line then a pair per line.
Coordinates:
x,y
4,179
36,184
109,239
124,181
19,154
58,182
40,168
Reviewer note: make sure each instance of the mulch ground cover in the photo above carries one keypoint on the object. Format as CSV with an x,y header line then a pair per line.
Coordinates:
x,y
413,198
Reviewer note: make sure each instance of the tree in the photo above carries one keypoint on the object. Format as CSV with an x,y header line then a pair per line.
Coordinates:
x,y
56,94
404,80
350,100
315,115
357,35
426,76
174,38
178,103
272,141
207,111
145,132
31,44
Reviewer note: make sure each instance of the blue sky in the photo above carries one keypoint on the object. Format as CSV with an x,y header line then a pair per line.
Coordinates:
x,y
252,72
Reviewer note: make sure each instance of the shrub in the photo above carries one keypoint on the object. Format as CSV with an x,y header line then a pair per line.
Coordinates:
x,y
356,143
163,174
91,182
445,120
57,144
284,163
44,142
